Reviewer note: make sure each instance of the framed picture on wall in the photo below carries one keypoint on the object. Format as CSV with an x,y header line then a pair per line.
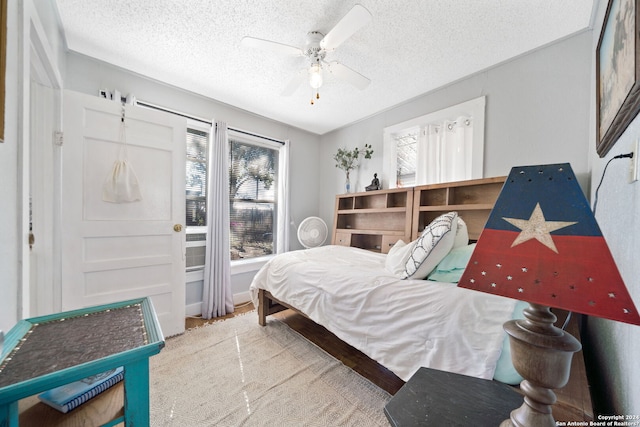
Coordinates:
x,y
617,73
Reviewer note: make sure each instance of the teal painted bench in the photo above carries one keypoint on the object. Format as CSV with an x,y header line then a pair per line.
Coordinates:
x,y
49,351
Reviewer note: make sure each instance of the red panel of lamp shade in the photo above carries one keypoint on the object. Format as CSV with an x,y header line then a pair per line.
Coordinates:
x,y
542,244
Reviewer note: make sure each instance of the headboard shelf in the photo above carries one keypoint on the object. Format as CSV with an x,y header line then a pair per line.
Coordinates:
x,y
371,210
402,213
475,207
472,199
380,199
373,220
364,231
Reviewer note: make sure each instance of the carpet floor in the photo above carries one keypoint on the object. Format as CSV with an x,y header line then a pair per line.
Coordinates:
x,y
237,373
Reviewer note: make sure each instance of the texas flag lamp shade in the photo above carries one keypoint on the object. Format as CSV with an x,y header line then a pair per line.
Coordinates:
x,y
542,244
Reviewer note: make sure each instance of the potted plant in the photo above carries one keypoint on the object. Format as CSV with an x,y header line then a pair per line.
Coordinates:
x,y
348,160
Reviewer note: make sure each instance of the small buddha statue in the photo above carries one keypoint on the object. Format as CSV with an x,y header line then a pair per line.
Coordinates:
x,y
375,183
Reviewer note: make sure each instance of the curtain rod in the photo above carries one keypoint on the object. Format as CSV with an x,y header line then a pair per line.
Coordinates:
x,y
198,119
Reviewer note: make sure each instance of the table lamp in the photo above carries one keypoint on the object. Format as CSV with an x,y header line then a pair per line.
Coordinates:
x,y
542,244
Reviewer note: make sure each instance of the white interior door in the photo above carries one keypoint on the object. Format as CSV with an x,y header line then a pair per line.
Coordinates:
x,y
118,251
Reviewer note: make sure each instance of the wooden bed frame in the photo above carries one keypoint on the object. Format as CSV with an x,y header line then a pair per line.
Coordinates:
x,y
268,305
473,200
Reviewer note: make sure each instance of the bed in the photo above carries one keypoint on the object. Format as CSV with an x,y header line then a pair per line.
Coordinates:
x,y
401,323
403,308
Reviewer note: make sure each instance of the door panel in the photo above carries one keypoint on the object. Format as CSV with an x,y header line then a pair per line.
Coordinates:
x,y
118,251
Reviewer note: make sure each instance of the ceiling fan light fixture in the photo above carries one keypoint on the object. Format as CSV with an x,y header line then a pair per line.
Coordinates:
x,y
315,76
316,49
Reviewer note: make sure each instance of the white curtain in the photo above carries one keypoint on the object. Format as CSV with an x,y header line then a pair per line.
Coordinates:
x,y
217,298
428,155
282,244
444,151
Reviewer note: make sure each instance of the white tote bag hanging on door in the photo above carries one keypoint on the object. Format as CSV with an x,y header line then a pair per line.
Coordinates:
x,y
121,184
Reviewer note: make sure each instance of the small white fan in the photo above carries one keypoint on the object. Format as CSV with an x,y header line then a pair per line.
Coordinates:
x,y
312,232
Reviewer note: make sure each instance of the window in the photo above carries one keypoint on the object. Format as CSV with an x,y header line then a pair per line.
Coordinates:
x,y
196,195
406,146
447,145
255,188
253,192
196,179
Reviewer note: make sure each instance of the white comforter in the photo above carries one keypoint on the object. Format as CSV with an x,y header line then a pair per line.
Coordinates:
x,y
402,324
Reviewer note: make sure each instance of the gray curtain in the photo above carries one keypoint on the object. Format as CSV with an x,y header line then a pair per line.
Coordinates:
x,y
217,299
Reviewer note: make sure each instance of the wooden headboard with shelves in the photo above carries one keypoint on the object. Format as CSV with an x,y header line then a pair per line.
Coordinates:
x,y
376,220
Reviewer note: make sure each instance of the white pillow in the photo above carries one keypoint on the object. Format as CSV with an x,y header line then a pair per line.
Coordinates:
x,y
397,257
462,234
432,246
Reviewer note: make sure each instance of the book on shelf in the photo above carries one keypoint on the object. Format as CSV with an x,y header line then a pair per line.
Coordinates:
x,y
70,396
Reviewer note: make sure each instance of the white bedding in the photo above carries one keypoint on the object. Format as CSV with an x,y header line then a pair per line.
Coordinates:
x,y
402,324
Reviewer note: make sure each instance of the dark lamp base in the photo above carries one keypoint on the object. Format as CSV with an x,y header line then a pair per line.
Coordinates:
x,y
542,354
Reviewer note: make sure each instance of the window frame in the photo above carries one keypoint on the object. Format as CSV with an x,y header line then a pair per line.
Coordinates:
x,y
247,264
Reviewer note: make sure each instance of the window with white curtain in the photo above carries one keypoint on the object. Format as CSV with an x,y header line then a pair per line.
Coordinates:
x,y
444,146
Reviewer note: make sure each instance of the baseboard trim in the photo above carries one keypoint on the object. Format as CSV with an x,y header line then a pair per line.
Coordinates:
x,y
194,309
241,298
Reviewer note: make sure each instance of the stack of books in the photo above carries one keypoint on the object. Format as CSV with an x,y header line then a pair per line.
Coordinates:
x,y
70,396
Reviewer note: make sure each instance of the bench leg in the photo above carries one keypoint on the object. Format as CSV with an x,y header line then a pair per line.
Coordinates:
x,y
9,415
136,393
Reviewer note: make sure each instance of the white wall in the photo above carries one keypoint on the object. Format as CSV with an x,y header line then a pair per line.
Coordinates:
x,y
612,348
537,112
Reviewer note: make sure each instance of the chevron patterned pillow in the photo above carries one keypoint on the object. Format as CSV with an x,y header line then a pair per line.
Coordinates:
x,y
432,246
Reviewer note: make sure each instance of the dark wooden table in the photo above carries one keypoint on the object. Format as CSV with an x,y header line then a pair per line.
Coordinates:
x,y
438,398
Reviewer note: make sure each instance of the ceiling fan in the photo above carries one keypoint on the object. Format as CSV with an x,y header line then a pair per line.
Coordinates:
x,y
317,47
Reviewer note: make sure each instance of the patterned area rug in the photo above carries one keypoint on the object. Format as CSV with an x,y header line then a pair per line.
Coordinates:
x,y
237,373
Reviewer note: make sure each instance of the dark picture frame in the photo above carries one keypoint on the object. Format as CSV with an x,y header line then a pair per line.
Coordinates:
x,y
617,73
3,62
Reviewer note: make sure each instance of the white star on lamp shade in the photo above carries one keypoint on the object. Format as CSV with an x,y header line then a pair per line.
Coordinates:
x,y
536,227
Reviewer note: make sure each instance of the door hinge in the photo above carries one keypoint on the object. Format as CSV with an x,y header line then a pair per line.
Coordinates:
x,y
58,138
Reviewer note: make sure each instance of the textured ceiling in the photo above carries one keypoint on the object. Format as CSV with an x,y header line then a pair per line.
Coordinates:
x,y
407,49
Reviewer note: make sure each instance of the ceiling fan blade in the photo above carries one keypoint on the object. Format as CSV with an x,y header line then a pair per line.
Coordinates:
x,y
271,46
345,73
295,82
355,19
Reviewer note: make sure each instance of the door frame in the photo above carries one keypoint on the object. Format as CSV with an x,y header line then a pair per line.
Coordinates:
x,y
38,64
